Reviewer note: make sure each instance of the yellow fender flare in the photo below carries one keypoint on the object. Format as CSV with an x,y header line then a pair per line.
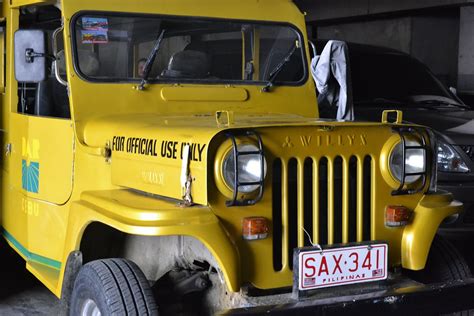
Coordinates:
x,y
166,219
418,236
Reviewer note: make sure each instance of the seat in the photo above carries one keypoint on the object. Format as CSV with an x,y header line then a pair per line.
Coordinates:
x,y
225,57
189,64
52,98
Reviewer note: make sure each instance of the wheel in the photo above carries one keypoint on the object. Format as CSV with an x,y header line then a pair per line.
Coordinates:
x,y
444,264
112,287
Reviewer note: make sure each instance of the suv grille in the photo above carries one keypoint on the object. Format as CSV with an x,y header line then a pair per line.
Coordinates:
x,y
469,150
327,200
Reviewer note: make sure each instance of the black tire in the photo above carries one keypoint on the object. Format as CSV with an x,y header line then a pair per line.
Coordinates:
x,y
114,287
444,264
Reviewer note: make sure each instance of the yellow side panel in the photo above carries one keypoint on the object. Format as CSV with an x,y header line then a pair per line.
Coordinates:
x,y
204,93
40,183
48,276
42,154
20,3
36,229
2,60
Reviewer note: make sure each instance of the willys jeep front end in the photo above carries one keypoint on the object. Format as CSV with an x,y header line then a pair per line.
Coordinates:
x,y
180,144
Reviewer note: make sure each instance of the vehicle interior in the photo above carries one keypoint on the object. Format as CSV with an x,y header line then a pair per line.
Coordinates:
x,y
49,97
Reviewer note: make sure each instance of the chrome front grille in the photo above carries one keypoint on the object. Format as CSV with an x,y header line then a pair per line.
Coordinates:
x,y
325,200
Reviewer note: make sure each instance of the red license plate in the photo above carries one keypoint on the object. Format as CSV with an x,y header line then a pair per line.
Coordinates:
x,y
341,266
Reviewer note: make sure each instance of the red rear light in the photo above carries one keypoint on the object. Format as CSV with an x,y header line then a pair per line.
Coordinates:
x,y
396,216
254,228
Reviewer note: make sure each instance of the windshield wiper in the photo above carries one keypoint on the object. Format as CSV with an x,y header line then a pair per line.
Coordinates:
x,y
150,59
278,68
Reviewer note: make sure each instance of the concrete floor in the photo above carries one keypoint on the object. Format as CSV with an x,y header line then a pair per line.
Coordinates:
x,y
21,294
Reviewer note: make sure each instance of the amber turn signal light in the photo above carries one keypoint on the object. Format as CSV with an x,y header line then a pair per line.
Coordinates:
x,y
396,216
254,228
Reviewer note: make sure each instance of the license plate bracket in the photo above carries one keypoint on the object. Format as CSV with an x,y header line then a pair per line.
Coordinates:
x,y
338,265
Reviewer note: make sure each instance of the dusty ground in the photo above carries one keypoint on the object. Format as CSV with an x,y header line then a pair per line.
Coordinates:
x,y
22,295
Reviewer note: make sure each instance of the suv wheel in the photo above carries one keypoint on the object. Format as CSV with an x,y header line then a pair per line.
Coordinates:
x,y
112,287
444,264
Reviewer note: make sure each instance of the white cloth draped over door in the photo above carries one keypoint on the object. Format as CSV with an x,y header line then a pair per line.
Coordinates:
x,y
331,73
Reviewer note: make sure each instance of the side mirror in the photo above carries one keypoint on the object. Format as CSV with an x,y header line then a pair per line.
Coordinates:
x,y
30,56
453,90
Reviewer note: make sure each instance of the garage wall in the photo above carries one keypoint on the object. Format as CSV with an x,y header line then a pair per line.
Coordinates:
x,y
430,38
438,32
435,41
329,10
393,33
466,50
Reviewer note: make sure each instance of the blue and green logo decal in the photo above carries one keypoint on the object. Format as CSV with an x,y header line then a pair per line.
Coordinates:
x,y
30,176
30,167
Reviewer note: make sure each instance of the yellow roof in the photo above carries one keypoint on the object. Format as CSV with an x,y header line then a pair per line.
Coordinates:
x,y
271,10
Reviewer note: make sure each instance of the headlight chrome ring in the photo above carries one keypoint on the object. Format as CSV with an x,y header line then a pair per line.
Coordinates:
x,y
405,160
241,168
246,174
414,165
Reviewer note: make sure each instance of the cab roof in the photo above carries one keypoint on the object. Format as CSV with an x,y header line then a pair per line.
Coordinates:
x,y
269,10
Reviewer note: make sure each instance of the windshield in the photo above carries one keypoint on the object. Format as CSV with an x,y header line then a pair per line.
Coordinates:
x,y
115,48
392,76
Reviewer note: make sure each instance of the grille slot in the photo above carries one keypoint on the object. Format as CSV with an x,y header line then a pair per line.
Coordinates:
x,y
308,199
277,214
327,200
292,205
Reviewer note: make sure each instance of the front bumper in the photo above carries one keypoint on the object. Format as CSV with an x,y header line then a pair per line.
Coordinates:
x,y
464,193
404,296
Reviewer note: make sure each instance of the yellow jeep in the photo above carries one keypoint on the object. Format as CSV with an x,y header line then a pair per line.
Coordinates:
x,y
169,154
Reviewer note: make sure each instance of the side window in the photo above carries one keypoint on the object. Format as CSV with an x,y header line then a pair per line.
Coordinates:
x,y
48,98
275,44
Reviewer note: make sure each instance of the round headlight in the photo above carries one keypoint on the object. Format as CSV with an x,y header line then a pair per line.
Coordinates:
x,y
249,168
414,161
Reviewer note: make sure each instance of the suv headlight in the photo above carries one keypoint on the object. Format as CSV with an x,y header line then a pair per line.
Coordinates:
x,y
449,160
249,169
415,161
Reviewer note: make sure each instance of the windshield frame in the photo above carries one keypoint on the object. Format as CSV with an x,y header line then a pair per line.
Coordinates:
x,y
75,59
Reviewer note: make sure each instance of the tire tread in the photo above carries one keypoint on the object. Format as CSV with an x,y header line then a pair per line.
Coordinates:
x,y
123,284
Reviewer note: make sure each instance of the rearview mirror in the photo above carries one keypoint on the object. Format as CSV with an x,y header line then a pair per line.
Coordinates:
x,y
30,56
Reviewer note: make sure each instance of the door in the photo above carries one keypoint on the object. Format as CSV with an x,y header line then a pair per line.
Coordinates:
x,y
41,155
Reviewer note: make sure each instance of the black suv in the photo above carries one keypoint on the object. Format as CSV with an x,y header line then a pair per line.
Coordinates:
x,y
384,79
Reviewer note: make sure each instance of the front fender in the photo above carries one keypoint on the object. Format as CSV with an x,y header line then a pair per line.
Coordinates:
x,y
137,214
418,236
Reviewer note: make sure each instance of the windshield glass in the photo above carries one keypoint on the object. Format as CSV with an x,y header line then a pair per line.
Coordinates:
x,y
392,76
114,48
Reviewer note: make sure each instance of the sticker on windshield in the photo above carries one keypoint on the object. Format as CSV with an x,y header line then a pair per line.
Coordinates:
x,y
94,37
95,24
95,30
